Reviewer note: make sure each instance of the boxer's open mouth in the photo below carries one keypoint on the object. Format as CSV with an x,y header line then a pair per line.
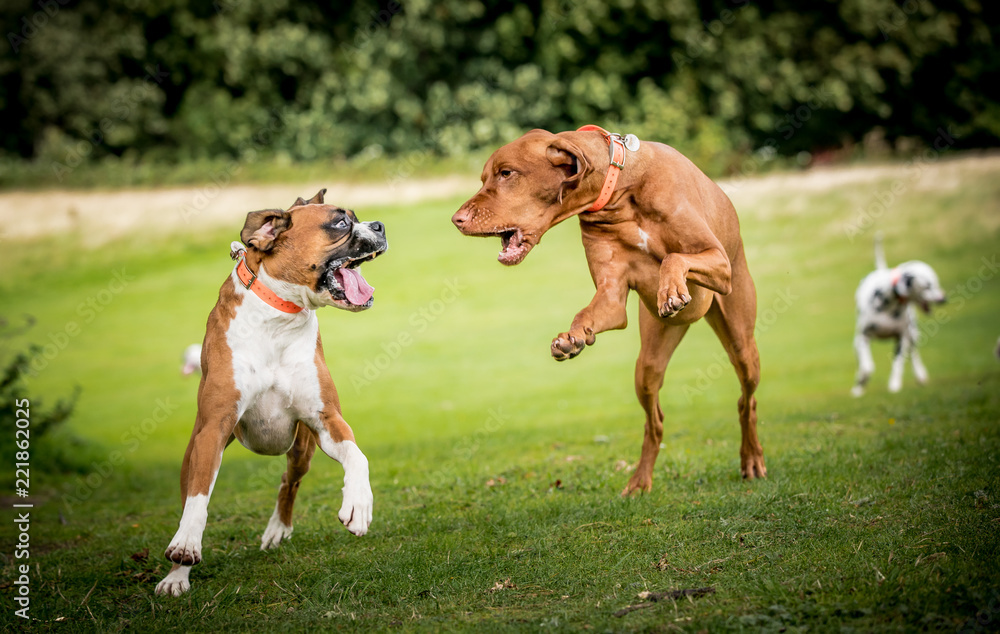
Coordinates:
x,y
344,282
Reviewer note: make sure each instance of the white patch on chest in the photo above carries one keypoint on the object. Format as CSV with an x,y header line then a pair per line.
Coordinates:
x,y
275,372
643,241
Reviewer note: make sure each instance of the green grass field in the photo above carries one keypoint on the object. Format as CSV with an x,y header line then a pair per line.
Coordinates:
x,y
496,471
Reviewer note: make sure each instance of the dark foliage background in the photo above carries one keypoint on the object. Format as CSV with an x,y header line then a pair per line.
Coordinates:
x,y
176,80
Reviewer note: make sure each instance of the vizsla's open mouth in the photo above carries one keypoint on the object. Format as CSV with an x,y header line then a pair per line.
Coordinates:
x,y
514,248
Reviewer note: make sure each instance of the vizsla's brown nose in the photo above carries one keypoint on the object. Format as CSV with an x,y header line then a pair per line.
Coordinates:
x,y
461,217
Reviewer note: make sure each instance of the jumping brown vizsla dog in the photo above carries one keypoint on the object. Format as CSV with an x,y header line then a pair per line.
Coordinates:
x,y
652,222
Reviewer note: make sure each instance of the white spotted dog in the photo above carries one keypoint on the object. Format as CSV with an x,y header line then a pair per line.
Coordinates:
x,y
264,378
885,303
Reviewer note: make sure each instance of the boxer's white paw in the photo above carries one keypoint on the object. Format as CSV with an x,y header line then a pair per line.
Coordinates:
x,y
356,511
185,547
274,533
857,391
175,583
895,386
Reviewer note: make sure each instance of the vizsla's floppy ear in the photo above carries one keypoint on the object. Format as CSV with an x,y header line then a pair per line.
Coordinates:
x,y
262,228
570,159
315,200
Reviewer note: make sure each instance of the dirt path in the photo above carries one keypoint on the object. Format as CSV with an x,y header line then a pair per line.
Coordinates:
x,y
101,216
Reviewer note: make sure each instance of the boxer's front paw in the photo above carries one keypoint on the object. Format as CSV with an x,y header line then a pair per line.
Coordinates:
x,y
672,298
275,532
356,511
176,582
568,345
184,549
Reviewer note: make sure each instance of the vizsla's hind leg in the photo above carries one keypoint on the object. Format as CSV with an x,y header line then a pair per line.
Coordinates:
x,y
733,317
299,457
659,341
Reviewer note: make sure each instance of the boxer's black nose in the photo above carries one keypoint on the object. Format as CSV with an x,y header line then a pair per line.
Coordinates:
x,y
377,227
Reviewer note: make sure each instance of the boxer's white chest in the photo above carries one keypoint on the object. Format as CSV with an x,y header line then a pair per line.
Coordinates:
x,y
275,372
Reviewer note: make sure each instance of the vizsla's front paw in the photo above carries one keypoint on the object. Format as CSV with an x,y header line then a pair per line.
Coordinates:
x,y
672,299
567,346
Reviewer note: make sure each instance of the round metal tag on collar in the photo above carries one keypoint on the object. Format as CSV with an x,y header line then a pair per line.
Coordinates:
x,y
631,142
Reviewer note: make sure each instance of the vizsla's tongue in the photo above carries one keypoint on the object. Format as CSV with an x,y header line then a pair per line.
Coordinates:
x,y
358,291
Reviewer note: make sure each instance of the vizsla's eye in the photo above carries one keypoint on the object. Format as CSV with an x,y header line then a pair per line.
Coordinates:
x,y
506,173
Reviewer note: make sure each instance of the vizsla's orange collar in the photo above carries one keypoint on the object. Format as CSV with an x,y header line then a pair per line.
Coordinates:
x,y
249,280
616,159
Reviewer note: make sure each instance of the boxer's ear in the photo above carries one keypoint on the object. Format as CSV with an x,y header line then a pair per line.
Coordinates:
x,y
262,228
570,160
315,200
318,198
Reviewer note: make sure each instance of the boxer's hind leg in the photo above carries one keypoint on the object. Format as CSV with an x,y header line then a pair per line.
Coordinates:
x,y
733,318
658,342
299,456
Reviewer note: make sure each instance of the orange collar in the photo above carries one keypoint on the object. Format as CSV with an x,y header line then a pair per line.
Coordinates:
x,y
616,160
268,296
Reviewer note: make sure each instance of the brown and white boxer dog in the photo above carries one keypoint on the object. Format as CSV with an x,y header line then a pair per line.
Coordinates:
x,y
652,222
264,378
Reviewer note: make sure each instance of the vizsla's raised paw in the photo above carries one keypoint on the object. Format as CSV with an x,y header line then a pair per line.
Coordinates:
x,y
566,346
672,299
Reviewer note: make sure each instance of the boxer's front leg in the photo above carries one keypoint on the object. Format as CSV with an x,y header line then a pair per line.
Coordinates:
x,y
605,312
710,269
336,439
212,433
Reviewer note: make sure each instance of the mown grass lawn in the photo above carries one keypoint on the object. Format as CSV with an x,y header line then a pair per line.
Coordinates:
x,y
496,471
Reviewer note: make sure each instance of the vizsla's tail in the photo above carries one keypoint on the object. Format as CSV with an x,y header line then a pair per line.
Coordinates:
x,y
879,253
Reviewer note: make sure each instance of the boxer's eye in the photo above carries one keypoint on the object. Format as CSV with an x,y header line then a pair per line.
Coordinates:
x,y
341,225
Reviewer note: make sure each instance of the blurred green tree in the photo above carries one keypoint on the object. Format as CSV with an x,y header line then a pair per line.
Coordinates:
x,y
174,80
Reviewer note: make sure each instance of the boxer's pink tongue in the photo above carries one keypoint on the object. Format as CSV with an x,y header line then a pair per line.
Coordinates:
x,y
358,291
